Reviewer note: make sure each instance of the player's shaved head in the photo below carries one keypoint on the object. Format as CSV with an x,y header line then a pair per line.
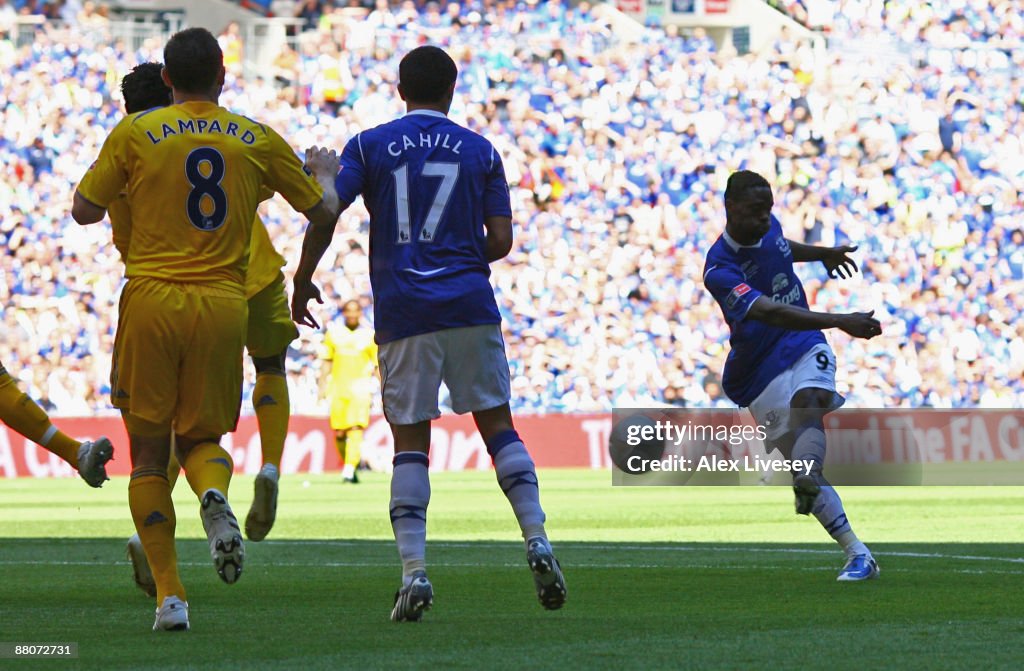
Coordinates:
x,y
143,88
742,183
426,75
748,206
193,60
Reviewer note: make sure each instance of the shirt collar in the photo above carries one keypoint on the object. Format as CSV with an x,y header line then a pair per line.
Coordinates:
x,y
427,113
737,246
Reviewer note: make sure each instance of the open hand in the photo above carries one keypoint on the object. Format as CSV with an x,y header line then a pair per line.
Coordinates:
x,y
838,262
302,293
322,162
861,325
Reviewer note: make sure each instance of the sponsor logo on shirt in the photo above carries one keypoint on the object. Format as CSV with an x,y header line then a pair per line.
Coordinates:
x,y
735,295
792,297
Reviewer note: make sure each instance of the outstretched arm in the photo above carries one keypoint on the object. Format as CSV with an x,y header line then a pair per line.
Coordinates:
x,y
836,259
780,315
323,218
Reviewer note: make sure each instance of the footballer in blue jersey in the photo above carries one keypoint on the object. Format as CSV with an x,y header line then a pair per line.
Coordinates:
x,y
440,213
431,184
780,365
737,275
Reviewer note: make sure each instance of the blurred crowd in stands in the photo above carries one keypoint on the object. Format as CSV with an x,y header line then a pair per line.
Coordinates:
x,y
617,152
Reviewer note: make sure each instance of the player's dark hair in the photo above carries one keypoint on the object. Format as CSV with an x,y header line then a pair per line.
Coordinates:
x,y
741,182
351,301
425,74
143,88
193,60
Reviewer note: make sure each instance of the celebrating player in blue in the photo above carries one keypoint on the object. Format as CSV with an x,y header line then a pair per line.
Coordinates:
x,y
439,214
780,365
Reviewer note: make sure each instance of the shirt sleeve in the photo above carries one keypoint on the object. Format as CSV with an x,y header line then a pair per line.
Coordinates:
x,y
352,177
108,175
497,202
327,349
728,286
286,176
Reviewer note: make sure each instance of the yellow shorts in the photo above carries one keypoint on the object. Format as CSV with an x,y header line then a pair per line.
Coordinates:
x,y
350,411
271,328
178,356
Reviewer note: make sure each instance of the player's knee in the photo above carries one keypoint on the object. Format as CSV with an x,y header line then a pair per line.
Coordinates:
x,y
183,445
812,399
273,365
494,421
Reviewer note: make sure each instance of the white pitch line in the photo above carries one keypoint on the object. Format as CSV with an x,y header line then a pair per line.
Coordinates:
x,y
611,547
576,545
573,545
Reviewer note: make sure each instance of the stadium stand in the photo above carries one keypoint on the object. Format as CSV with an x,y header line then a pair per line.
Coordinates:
x,y
617,152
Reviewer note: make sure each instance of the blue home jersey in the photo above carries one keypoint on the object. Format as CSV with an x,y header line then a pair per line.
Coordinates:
x,y
736,275
428,184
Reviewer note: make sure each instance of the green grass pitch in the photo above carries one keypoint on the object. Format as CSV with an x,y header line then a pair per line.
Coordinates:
x,y
659,578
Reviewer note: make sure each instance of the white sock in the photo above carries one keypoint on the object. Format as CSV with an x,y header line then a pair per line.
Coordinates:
x,y
517,477
410,495
810,444
348,470
828,507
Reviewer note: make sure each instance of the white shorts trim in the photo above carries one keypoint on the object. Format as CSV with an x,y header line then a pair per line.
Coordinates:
x,y
470,361
771,409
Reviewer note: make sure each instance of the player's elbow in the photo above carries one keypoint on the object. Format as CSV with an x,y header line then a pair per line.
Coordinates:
x,y
84,212
499,237
498,247
323,216
767,312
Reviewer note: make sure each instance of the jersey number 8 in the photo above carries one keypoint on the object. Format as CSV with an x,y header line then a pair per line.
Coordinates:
x,y
207,204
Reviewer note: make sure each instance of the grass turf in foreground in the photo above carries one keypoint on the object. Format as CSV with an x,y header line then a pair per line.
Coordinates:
x,y
755,592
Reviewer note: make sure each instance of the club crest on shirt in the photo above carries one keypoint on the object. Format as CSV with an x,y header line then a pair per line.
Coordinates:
x,y
783,245
779,282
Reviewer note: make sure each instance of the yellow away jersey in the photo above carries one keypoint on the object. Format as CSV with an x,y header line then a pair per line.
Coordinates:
x,y
264,261
194,174
121,223
353,356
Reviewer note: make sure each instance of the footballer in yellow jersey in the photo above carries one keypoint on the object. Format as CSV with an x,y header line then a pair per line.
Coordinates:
x,y
352,356
269,333
193,174
25,417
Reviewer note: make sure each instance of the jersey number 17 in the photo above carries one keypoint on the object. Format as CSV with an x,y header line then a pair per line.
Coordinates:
x,y
449,174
